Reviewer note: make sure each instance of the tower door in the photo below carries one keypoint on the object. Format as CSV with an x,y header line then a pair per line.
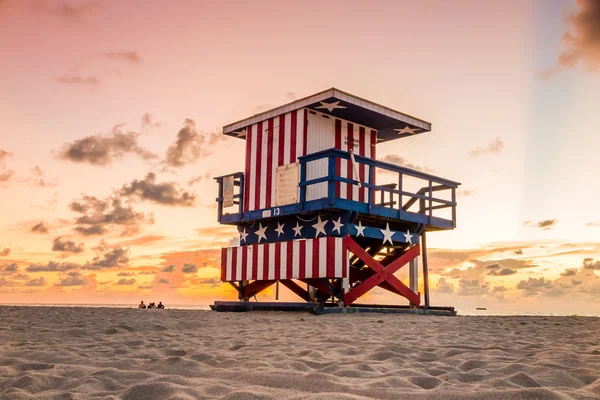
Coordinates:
x,y
320,136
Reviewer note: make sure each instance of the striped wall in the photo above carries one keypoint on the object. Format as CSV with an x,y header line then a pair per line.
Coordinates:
x,y
324,257
282,139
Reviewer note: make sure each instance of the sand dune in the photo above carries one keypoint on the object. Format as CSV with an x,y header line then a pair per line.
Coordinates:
x,y
93,353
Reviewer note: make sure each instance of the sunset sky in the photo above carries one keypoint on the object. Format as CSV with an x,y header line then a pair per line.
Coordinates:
x,y
110,133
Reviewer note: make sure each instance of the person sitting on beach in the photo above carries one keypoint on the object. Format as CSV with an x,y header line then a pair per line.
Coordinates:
x,y
142,305
160,305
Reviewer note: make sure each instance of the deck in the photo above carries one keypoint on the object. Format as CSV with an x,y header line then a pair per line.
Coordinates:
x,y
409,195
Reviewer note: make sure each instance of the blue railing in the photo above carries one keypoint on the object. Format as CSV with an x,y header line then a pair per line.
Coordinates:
x,y
381,199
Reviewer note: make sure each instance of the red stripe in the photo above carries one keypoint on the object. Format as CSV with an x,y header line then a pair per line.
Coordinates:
x,y
315,258
289,260
373,155
305,133
244,250
265,262
293,137
338,145
247,177
349,169
258,150
361,166
269,165
233,263
254,263
277,260
344,258
281,139
223,264
331,256
302,257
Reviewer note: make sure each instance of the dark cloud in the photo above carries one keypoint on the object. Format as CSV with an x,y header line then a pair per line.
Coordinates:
x,y
503,267
117,258
125,274
40,228
170,268
472,287
190,145
125,281
189,268
209,281
582,39
588,263
148,122
499,289
163,281
71,79
10,268
127,56
59,244
5,172
494,147
100,214
575,282
52,266
444,287
569,272
546,224
144,287
401,161
66,11
534,285
102,150
165,193
40,281
72,279
519,251
4,252
502,272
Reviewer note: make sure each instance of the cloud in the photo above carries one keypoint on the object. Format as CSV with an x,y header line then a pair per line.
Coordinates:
x,y
209,281
66,11
40,228
444,287
124,281
165,193
472,287
102,150
144,286
72,279
588,263
4,252
190,145
494,147
52,266
127,56
67,246
10,268
98,215
5,173
480,269
117,258
582,38
147,121
71,79
125,274
465,193
502,271
594,224
168,269
401,161
189,268
39,281
163,281
546,224
534,285
569,272
38,179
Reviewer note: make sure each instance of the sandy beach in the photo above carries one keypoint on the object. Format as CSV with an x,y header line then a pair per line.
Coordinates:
x,y
92,353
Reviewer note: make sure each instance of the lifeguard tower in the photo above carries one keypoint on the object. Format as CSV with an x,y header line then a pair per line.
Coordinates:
x,y
318,213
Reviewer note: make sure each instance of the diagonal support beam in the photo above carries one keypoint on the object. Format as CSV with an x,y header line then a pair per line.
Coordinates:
x,y
294,287
254,288
364,274
322,284
381,273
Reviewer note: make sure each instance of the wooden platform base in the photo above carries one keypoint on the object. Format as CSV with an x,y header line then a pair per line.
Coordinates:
x,y
243,306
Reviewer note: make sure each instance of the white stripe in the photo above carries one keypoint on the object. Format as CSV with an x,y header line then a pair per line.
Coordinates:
x,y
322,257
295,259
309,261
252,176
249,251
283,261
275,161
260,261
299,132
338,257
287,134
272,261
238,264
229,255
262,189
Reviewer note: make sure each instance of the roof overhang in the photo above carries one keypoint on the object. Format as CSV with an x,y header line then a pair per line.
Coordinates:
x,y
390,124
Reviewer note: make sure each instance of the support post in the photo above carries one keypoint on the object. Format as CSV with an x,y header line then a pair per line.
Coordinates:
x,y
331,183
414,276
220,201
425,268
302,180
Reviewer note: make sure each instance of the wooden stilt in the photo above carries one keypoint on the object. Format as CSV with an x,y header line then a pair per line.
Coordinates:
x,y
425,268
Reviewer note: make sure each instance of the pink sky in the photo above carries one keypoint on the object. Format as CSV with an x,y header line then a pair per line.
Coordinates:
x,y
510,87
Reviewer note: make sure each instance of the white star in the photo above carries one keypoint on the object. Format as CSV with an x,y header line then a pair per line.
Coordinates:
x,y
387,234
261,232
241,133
298,229
279,229
243,235
330,106
360,230
406,129
408,237
320,227
337,225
